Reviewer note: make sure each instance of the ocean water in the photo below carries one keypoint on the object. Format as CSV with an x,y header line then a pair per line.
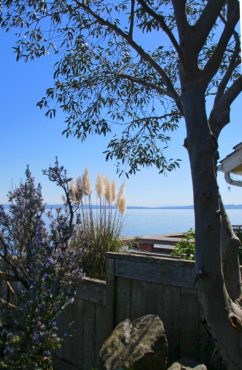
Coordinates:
x,y
140,222
148,221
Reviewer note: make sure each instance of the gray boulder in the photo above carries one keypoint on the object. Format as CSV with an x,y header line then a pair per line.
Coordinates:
x,y
186,364
141,344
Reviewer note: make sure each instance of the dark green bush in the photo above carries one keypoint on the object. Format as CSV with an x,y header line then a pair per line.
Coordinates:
x,y
186,247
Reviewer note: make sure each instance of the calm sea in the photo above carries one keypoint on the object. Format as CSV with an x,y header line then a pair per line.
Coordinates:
x,y
139,222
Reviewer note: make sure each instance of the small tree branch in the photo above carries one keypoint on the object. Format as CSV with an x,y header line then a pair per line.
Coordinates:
x,y
131,26
234,62
220,114
181,19
214,62
142,82
163,25
145,56
229,248
6,276
7,304
11,265
206,22
168,115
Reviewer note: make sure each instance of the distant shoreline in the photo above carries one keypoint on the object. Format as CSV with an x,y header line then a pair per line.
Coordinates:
x,y
227,206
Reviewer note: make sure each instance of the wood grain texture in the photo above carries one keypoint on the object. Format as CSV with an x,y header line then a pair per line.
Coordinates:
x,y
136,285
122,299
157,270
92,290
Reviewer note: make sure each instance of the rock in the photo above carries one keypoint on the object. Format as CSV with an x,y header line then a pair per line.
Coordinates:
x,y
186,364
140,344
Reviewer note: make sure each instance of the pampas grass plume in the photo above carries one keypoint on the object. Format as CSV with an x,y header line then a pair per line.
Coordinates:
x,y
121,205
99,186
86,182
108,191
121,192
113,188
73,190
79,188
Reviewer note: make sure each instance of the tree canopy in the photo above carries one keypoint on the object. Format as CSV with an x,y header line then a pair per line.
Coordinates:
x,y
144,65
119,64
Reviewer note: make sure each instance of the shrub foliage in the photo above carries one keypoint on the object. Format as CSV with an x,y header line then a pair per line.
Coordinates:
x,y
38,273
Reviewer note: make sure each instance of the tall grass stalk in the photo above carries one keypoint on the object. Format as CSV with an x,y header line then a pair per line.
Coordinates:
x,y
99,226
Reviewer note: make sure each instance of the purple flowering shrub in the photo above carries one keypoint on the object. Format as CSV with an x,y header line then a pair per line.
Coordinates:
x,y
38,271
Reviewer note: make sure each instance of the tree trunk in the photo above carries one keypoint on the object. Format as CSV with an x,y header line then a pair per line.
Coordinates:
x,y
224,316
229,247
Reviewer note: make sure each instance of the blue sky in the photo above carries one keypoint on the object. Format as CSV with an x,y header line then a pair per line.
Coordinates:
x,y
27,137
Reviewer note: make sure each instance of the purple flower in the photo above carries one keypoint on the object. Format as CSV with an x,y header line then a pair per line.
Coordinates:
x,y
35,337
50,261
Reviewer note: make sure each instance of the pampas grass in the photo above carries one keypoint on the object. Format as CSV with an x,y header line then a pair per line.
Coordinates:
x,y
99,227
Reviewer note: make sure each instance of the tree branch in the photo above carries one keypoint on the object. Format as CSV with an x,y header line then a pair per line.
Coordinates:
x,y
165,116
8,261
215,60
145,56
229,248
220,114
163,25
131,26
6,276
7,304
143,83
206,22
183,27
234,62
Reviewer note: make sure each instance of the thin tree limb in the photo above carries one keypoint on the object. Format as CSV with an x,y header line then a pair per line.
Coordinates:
x,y
7,304
8,261
145,56
163,25
229,248
183,27
206,22
220,114
6,276
234,62
143,83
131,26
215,60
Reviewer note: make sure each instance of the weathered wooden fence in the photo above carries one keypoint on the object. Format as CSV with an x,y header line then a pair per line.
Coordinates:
x,y
136,285
86,319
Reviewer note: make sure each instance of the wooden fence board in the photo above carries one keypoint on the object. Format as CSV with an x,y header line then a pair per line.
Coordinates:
x,y
138,296
168,271
60,364
89,336
122,302
110,294
167,303
101,333
76,343
190,323
92,290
